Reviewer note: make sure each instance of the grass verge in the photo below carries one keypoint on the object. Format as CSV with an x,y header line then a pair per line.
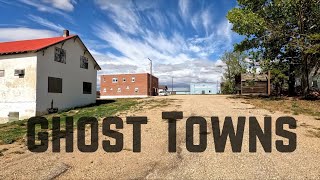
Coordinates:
x,y
14,131
294,106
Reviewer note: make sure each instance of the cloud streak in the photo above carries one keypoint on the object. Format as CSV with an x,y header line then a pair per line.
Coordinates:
x,y
22,33
46,23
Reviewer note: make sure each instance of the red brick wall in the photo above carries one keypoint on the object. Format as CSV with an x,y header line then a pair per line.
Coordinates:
x,y
108,88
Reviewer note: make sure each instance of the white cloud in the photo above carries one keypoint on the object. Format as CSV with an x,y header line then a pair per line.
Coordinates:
x,y
43,7
184,9
46,23
122,13
206,20
66,5
225,30
13,34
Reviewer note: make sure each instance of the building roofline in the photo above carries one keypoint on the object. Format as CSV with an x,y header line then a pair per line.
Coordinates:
x,y
46,47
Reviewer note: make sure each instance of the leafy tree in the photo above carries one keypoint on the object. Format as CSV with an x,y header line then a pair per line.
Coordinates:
x,y
286,33
235,65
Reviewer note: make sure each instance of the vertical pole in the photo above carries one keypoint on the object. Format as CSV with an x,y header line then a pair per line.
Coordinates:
x,y
217,86
269,83
172,86
150,80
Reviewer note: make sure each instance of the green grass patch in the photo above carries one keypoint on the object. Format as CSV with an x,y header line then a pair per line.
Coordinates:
x,y
14,131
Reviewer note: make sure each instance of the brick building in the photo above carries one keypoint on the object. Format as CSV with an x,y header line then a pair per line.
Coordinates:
x,y
128,86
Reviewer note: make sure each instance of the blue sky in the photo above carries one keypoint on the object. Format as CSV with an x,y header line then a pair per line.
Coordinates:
x,y
184,38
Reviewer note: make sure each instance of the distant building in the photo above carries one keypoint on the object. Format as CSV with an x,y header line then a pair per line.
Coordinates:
x,y
128,86
204,88
45,75
163,88
181,91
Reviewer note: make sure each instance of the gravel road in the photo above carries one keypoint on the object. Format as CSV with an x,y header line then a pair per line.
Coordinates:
x,y
154,161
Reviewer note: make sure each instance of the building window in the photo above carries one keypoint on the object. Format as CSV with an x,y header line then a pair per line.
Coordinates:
x,y
87,88
60,55
104,89
128,87
84,62
124,79
19,72
104,80
114,80
1,73
111,89
54,85
133,79
136,90
119,89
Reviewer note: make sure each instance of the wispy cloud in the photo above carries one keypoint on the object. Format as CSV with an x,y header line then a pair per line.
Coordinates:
x,y
184,9
122,13
148,34
206,20
45,7
46,23
12,34
66,5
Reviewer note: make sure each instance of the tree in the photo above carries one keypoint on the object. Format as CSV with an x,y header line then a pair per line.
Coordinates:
x,y
284,32
235,65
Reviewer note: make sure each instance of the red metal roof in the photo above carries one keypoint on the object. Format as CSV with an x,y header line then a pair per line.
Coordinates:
x,y
30,45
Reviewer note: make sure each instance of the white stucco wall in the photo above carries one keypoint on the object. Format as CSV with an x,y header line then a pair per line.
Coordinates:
x,y
18,94
72,78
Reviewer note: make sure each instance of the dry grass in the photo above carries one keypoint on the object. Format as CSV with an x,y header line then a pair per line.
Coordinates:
x,y
294,106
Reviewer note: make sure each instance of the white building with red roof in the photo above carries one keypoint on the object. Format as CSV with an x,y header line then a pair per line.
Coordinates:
x,y
41,76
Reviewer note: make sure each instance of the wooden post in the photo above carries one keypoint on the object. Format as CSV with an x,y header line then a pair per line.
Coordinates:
x,y
269,83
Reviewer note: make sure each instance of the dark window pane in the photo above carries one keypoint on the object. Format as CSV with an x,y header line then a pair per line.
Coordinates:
x,y
87,88
83,62
54,85
60,55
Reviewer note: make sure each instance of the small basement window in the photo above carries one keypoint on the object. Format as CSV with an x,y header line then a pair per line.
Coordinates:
x,y
114,80
87,88
84,62
104,89
1,73
136,90
60,55
54,85
119,89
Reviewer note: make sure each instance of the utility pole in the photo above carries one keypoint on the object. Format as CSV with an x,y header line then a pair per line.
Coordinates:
x,y
172,86
150,80
217,86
